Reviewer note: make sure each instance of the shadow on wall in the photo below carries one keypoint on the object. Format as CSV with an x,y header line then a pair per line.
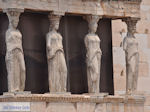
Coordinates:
x,y
3,72
105,33
34,27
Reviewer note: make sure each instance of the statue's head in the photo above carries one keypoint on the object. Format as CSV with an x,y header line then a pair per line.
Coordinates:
x,y
92,22
54,21
13,17
93,27
131,27
131,24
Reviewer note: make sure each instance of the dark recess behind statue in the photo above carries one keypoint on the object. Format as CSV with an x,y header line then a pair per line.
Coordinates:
x,y
34,27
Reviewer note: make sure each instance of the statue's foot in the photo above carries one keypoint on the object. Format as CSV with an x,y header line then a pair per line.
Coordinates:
x,y
60,93
10,92
96,94
129,92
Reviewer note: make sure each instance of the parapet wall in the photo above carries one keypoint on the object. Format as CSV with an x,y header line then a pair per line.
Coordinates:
x,y
78,103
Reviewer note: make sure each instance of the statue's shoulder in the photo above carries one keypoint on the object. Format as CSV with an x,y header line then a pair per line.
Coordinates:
x,y
54,35
97,37
126,39
59,35
92,37
51,34
13,32
88,36
7,32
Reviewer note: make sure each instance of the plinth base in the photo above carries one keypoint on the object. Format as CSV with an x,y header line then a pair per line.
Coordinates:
x,y
77,103
58,93
96,94
16,93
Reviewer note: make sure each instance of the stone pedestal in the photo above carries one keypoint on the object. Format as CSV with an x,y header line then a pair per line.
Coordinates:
x,y
16,93
78,103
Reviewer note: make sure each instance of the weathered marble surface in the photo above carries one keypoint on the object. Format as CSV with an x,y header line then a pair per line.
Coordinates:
x,y
93,55
113,9
57,69
130,46
79,103
14,53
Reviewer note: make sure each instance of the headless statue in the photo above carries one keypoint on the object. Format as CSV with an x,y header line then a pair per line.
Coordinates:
x,y
57,69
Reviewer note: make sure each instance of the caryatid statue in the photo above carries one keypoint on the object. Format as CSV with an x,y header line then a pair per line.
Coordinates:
x,y
130,46
57,69
93,56
14,53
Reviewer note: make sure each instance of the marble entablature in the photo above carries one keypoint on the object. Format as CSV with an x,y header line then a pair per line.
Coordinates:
x,y
109,9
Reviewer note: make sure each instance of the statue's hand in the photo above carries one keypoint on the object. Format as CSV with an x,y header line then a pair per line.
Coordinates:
x,y
48,57
94,77
48,48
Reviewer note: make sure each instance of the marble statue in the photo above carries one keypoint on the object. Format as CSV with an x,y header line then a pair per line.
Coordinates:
x,y
57,69
130,46
14,54
93,56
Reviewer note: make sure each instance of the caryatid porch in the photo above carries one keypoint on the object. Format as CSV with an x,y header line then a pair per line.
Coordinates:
x,y
92,11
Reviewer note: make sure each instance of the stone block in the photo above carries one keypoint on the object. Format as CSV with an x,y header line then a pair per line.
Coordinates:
x,y
38,106
119,67
115,107
144,15
86,107
101,107
148,39
143,26
142,40
147,98
134,108
145,7
116,39
148,17
119,76
138,108
121,107
109,107
143,84
145,2
147,109
118,26
143,57
119,83
60,107
118,56
119,70
143,69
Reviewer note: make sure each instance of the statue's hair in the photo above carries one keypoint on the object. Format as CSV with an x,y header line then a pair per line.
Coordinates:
x,y
13,14
92,19
54,18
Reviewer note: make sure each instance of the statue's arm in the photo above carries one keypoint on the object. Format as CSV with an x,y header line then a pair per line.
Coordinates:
x,y
48,42
48,46
87,50
125,44
90,55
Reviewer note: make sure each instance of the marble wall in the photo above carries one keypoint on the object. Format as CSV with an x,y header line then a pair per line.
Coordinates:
x,y
143,36
78,103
